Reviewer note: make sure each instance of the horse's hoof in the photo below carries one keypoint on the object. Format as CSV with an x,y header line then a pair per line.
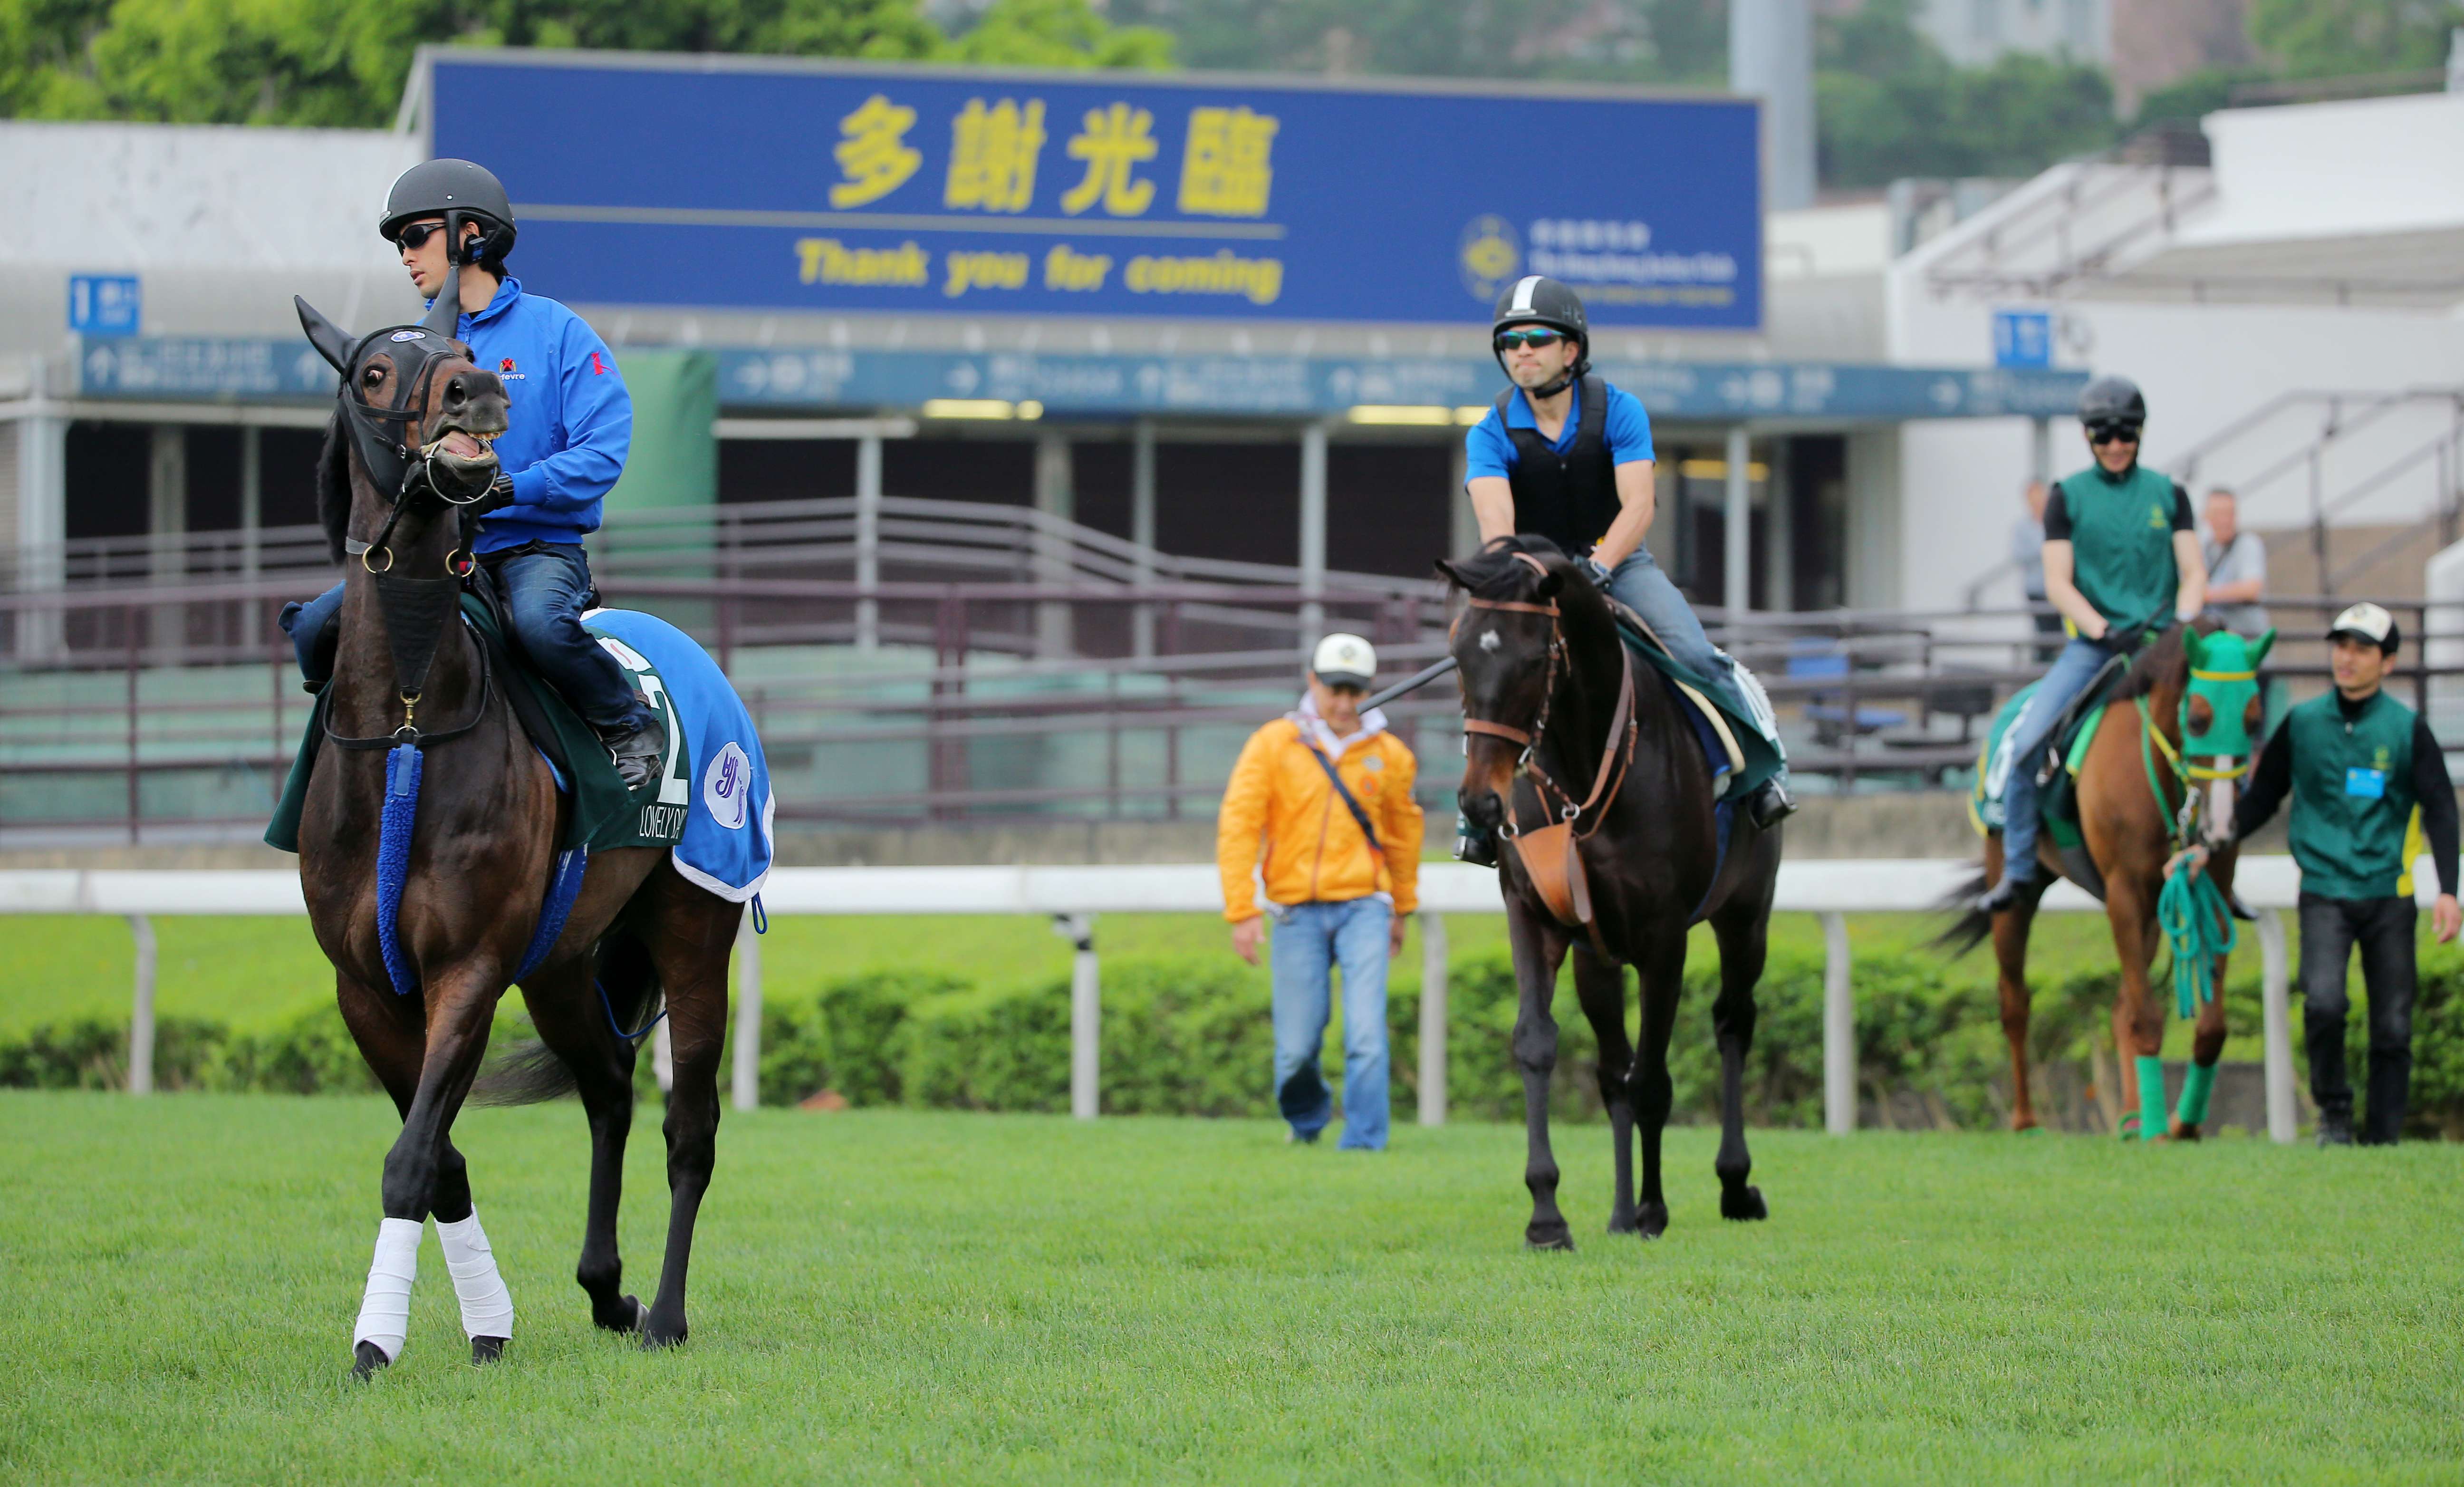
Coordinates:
x,y
1621,1225
2181,1132
486,1350
1651,1220
1552,1235
2127,1127
631,1317
1744,1205
365,1360
654,1338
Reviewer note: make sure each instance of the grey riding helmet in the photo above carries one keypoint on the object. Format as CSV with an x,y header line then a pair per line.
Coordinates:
x,y
450,188
2112,401
1536,299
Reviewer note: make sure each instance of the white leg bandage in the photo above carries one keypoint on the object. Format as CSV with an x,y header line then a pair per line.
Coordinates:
x,y
487,1306
384,1315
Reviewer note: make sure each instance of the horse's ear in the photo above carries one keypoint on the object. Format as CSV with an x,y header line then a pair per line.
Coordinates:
x,y
2193,646
1551,582
2258,649
332,341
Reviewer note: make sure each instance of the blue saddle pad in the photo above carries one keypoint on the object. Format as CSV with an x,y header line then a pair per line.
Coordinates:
x,y
714,774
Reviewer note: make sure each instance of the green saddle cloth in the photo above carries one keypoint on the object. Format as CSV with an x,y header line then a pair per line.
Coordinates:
x,y
1763,758
2057,803
604,814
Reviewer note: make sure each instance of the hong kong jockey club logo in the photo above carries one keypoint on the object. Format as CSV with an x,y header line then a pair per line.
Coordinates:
x,y
727,785
1491,254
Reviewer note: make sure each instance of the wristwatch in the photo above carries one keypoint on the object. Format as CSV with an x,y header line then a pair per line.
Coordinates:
x,y
1599,571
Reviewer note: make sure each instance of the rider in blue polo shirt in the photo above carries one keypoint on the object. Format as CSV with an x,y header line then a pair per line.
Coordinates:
x,y
571,423
1567,456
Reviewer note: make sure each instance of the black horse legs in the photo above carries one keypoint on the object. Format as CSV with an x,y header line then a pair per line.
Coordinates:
x,y
566,1010
1743,942
690,940
1600,986
1538,955
1662,977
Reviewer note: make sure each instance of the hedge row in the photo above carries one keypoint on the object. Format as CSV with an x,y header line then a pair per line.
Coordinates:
x,y
1190,1035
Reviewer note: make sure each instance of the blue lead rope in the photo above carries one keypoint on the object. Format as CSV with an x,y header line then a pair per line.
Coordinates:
x,y
564,886
394,825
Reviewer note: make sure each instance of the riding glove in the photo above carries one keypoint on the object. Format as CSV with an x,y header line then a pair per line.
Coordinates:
x,y
2123,640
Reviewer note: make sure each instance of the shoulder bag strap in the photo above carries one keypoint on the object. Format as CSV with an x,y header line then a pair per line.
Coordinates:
x,y
1358,815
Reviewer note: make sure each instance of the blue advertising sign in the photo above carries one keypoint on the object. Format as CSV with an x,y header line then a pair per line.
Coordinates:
x,y
766,183
105,305
2023,337
203,368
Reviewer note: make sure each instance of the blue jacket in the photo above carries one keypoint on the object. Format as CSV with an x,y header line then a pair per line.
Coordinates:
x,y
571,422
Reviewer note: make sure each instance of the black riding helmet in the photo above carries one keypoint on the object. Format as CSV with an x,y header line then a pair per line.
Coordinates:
x,y
2112,400
454,189
1536,299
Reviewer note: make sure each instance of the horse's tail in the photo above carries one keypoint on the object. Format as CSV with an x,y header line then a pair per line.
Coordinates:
x,y
627,988
1972,925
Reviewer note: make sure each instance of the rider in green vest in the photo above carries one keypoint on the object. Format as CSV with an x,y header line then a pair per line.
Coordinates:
x,y
2370,786
2121,561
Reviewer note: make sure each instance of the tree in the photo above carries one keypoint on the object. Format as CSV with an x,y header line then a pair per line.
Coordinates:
x,y
342,63
2333,38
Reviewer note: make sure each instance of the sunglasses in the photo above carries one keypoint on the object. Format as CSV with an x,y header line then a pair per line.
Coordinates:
x,y
1508,340
2112,434
416,236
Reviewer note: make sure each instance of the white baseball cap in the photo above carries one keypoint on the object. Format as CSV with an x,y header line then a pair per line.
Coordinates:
x,y
2369,622
1344,658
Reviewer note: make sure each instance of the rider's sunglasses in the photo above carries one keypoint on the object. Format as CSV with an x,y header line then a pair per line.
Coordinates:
x,y
415,236
1508,340
2112,434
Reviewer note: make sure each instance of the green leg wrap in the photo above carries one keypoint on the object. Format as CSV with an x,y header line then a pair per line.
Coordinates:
x,y
2151,1099
2193,1109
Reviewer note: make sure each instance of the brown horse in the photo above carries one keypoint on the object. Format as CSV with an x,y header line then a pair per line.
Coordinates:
x,y
488,821
2132,797
1626,836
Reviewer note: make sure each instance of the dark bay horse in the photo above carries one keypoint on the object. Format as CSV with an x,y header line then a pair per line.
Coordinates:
x,y
2137,800
406,445
1580,757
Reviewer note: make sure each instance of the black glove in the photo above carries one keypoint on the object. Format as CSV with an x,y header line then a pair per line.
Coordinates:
x,y
2123,640
500,495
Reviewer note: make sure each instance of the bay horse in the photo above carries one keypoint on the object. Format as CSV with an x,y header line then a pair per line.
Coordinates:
x,y
1554,705
2170,724
406,445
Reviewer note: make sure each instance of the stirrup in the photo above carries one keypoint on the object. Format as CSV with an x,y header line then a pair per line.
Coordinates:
x,y
2002,895
1770,805
637,752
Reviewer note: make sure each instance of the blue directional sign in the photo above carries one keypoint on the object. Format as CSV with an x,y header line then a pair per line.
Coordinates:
x,y
2023,337
203,367
105,305
777,184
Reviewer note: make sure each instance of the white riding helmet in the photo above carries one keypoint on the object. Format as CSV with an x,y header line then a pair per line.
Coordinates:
x,y
1344,659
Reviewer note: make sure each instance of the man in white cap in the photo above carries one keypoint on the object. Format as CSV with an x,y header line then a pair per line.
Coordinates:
x,y
1327,793
2369,786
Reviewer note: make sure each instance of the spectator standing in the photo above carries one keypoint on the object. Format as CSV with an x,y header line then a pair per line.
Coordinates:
x,y
2369,784
2236,566
1327,792
2028,556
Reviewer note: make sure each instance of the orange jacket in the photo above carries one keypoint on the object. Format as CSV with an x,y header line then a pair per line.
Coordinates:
x,y
1314,848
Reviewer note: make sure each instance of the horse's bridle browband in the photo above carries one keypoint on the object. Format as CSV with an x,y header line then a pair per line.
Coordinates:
x,y
1617,753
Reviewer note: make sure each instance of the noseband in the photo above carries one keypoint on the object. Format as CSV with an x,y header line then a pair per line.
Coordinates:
x,y
1616,751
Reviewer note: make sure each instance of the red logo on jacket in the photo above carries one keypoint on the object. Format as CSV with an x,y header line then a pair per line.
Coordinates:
x,y
597,367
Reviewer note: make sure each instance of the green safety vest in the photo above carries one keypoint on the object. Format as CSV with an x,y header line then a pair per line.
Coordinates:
x,y
2355,827
2122,542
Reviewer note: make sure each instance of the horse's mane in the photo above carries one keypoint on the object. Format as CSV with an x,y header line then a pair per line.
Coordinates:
x,y
2161,663
333,484
1495,573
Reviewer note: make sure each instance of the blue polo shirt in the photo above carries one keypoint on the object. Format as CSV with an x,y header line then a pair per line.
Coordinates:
x,y
1626,431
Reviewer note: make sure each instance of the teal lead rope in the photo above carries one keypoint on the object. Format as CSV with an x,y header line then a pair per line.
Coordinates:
x,y
2198,928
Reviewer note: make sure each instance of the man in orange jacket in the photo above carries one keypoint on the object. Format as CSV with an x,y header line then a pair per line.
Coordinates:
x,y
1328,793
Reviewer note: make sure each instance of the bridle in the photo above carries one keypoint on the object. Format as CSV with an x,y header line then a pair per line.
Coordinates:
x,y
415,610
1617,752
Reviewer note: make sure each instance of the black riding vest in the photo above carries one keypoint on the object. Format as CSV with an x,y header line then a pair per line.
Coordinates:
x,y
1569,498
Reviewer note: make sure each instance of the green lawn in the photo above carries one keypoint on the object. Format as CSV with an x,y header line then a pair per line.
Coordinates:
x,y
927,1297
252,973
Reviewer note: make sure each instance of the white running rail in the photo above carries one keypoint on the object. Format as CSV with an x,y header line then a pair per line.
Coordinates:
x,y
1072,897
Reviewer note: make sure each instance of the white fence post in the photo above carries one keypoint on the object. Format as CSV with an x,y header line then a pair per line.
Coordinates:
x,y
1838,1029
1433,1018
748,1015
141,1022
2274,995
1086,1015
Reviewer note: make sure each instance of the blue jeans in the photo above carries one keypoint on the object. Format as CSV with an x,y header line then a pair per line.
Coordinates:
x,y
1309,941
2072,671
545,589
1640,586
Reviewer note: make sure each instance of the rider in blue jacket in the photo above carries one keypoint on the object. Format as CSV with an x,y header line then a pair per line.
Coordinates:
x,y
570,425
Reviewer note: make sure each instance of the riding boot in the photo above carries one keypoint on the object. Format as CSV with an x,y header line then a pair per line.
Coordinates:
x,y
1474,844
637,751
1771,804
2004,893
2390,1081
2330,1090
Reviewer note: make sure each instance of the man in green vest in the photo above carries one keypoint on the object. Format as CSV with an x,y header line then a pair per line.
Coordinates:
x,y
2121,561
2368,784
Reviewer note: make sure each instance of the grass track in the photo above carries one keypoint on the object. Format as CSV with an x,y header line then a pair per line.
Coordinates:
x,y
902,1297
